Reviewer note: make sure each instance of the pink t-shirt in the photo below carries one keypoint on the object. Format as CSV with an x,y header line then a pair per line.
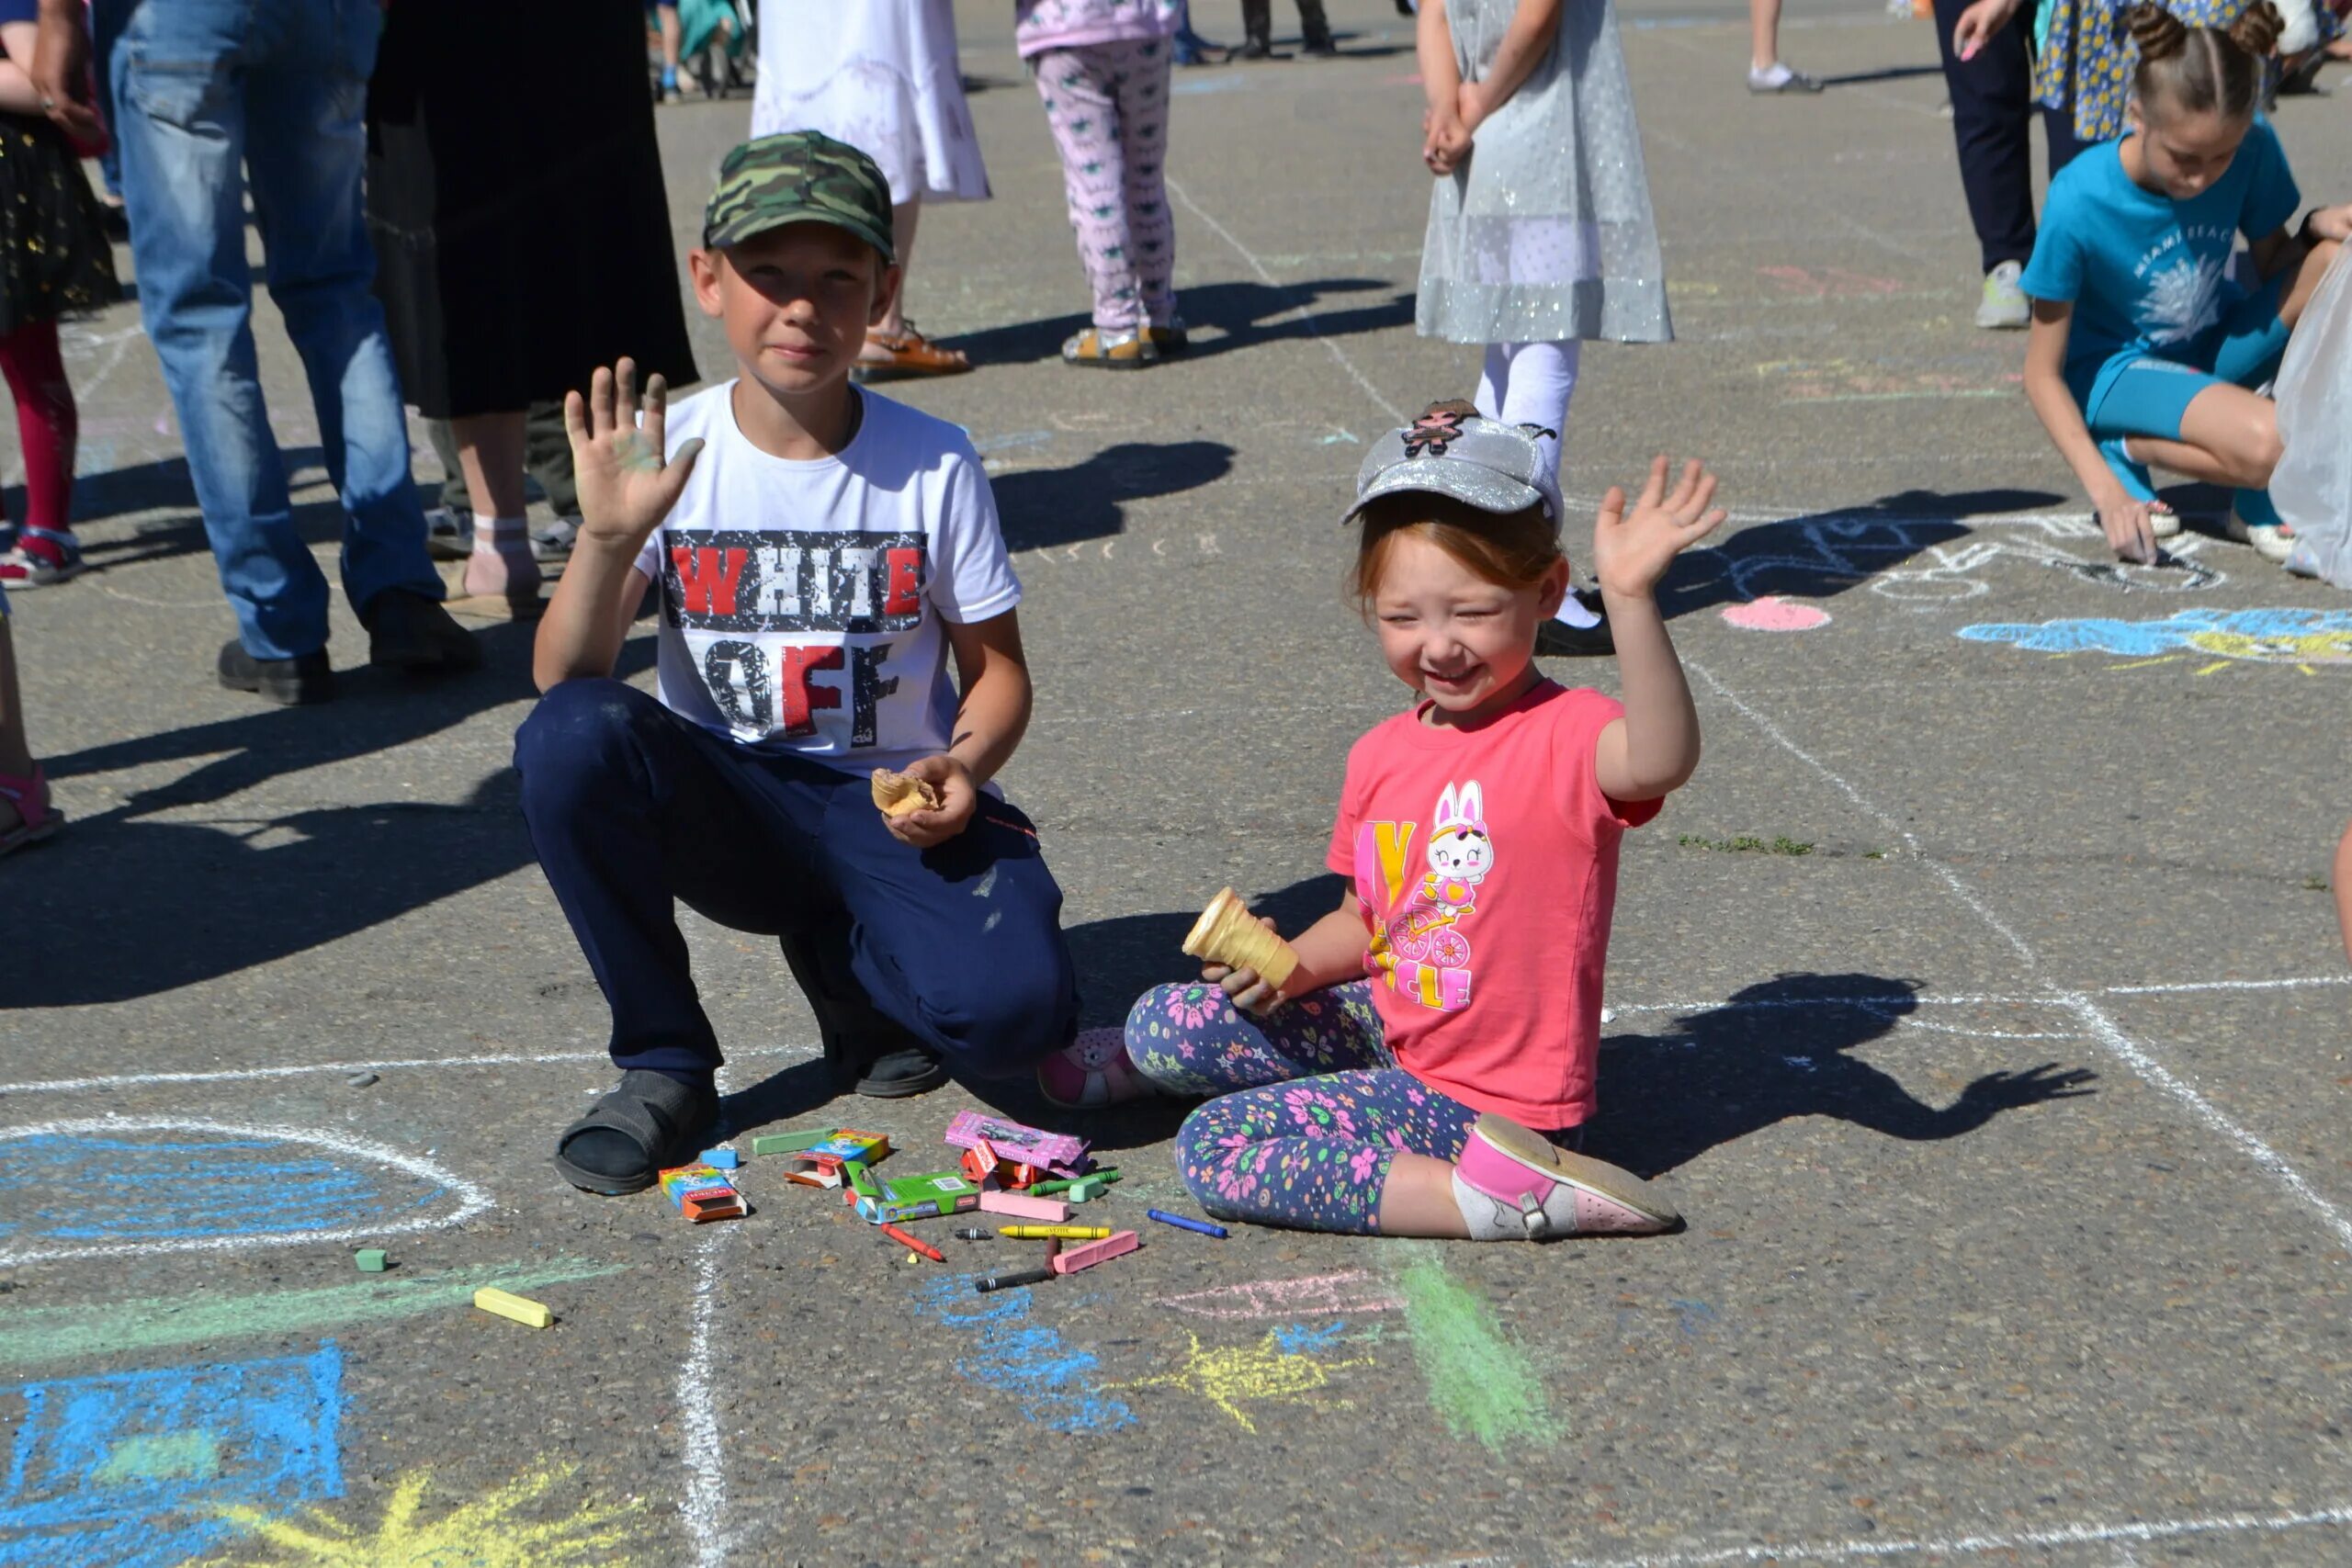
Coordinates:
x,y
1486,861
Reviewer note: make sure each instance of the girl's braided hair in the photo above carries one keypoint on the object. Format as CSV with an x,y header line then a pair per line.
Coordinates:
x,y
2198,69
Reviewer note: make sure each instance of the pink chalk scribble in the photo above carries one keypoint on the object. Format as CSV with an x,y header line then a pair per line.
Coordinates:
x,y
1774,613
1355,1291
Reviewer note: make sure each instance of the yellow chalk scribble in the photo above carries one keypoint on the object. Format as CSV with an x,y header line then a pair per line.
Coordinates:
x,y
485,1533
1248,1375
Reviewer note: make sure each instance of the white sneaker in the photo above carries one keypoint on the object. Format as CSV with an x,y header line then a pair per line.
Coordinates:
x,y
2272,541
1778,78
2003,306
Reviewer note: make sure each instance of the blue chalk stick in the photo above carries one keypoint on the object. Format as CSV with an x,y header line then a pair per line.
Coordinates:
x,y
723,1159
1182,1223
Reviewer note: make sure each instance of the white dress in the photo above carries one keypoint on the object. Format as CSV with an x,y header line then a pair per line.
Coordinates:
x,y
881,76
1545,233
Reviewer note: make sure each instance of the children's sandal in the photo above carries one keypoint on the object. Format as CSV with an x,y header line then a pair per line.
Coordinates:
x,y
1129,350
891,355
38,818
21,567
1555,1192
1091,1071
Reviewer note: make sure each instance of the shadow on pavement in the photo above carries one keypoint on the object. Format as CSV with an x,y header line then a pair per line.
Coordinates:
x,y
1043,507
126,904
1823,554
1242,314
1777,1050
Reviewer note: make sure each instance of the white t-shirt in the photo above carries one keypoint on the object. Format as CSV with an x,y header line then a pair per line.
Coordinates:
x,y
801,601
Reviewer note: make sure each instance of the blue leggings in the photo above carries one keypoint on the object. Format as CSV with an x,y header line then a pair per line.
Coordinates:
x,y
1311,1109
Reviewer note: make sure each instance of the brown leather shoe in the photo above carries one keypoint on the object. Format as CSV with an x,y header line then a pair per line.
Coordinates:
x,y
890,356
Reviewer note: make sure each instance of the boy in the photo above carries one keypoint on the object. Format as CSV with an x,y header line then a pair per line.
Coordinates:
x,y
821,550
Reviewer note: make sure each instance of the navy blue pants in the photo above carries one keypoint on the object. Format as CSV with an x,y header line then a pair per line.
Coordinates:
x,y
1992,124
632,809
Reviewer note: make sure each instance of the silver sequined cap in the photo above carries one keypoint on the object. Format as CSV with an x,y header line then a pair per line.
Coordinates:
x,y
1480,462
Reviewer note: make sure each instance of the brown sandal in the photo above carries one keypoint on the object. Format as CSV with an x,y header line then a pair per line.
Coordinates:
x,y
890,356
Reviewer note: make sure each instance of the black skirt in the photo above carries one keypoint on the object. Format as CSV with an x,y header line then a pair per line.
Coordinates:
x,y
54,256
521,228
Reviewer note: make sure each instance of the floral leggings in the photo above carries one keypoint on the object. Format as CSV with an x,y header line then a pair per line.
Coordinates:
x,y
1312,1109
1108,106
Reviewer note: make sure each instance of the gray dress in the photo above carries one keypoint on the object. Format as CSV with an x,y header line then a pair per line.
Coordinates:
x,y
1546,233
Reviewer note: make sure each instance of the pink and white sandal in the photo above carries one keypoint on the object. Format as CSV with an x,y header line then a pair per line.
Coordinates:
x,y
1092,1071
38,818
1555,1192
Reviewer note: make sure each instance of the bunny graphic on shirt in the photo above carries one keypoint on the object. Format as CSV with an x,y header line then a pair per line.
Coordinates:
x,y
1461,852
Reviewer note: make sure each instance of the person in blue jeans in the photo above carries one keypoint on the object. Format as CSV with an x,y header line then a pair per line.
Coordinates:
x,y
212,98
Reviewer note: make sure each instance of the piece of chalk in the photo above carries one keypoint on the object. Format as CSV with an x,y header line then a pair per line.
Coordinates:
x,y
790,1143
1182,1223
913,1259
1085,1190
722,1159
522,1309
1968,50
1054,1233
1007,1281
1064,1183
1021,1206
1072,1258
372,1260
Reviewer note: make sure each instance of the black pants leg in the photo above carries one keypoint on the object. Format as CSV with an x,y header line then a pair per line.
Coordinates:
x,y
1992,123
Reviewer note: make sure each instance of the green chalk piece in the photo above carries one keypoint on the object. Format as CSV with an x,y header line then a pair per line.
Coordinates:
x,y
1068,1184
372,1260
1086,1189
790,1142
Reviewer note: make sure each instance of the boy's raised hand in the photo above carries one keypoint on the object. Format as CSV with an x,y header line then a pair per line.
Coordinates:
x,y
1631,553
625,487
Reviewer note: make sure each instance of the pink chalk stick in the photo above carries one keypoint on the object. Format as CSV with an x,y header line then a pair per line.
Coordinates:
x,y
1070,1259
1022,1206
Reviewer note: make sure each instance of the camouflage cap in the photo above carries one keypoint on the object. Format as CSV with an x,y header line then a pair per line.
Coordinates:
x,y
798,176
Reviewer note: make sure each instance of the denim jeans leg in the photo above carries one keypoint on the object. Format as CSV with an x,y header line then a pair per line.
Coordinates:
x,y
181,122
305,110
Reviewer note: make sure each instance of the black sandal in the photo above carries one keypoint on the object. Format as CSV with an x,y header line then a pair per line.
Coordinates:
x,y
865,1049
668,1121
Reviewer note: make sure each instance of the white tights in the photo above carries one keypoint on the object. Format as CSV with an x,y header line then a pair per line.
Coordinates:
x,y
1531,383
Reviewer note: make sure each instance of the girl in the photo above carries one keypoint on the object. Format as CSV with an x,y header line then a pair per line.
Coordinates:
x,y
1540,232
54,257
1451,1006
2136,239
881,76
1101,66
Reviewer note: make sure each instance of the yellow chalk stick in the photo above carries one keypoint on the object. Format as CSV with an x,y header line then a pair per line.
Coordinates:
x,y
522,1309
1054,1233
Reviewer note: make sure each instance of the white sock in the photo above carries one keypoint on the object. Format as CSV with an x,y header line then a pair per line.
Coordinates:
x,y
1572,613
1771,75
491,530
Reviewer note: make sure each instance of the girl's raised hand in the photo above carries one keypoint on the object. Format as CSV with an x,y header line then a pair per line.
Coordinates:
x,y
1631,553
626,488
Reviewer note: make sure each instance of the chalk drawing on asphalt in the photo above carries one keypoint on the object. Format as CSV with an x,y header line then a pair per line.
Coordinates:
x,y
1355,1291
2308,640
506,1527
1044,1378
1235,1377
138,1469
1924,562
183,1184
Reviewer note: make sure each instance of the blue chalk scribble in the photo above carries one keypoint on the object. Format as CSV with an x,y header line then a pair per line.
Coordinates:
x,y
131,1470
1297,1340
1031,1363
171,1185
2262,636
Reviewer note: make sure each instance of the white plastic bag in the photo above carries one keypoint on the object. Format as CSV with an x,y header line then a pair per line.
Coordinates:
x,y
2313,484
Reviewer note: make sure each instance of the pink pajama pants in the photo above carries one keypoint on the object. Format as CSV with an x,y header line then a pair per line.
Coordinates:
x,y
1108,106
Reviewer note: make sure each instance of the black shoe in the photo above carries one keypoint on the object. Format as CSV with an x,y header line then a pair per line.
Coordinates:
x,y
408,632
288,683
1557,639
646,1124
865,1049
1322,48
114,221
1257,49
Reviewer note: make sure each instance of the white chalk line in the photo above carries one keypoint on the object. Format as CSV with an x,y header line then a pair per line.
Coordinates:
x,y
2133,1533
1305,314
472,1198
2104,1029
2061,998
371,1065
705,1507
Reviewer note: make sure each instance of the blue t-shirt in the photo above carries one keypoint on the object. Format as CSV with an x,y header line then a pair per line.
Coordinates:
x,y
2148,275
